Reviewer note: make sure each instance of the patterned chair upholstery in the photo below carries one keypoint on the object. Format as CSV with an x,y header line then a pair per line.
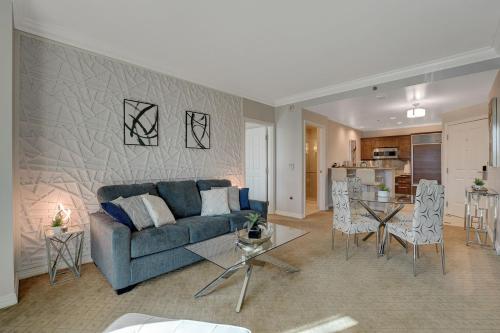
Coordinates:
x,y
426,224
344,221
354,187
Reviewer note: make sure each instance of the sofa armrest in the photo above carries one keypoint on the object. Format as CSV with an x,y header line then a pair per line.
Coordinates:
x,y
110,249
259,206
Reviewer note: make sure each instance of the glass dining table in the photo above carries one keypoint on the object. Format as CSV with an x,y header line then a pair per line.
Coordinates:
x,y
383,209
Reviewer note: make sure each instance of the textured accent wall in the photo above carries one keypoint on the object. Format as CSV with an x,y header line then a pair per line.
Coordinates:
x,y
70,134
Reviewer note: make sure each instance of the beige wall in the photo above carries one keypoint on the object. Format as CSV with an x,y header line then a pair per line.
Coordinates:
x,y
402,131
465,113
337,138
258,111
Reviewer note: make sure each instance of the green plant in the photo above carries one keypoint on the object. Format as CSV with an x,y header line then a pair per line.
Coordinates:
x,y
57,221
382,187
254,220
478,182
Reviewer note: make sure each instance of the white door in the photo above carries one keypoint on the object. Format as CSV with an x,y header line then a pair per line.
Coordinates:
x,y
467,152
256,162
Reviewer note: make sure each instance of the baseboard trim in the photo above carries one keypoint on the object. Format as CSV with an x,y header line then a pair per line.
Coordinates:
x,y
8,300
39,270
289,214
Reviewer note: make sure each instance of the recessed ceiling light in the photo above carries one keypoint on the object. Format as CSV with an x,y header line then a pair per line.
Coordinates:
x,y
399,122
380,96
392,118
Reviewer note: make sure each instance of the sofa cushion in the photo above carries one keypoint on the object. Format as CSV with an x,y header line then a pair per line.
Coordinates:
x,y
118,214
205,227
238,219
154,240
111,192
207,184
244,201
182,197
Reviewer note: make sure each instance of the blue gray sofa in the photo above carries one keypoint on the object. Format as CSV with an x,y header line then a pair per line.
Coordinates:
x,y
127,258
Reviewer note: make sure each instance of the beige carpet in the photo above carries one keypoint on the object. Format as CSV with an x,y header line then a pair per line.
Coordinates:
x,y
364,294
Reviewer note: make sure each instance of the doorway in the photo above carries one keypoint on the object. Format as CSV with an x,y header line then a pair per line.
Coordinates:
x,y
466,150
312,174
259,161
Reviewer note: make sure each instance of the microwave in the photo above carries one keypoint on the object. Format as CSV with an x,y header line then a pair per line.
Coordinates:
x,y
385,153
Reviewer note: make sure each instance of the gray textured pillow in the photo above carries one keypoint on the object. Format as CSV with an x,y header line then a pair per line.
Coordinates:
x,y
214,202
136,210
233,197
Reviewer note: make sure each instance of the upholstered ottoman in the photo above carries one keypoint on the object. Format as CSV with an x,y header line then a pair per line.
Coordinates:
x,y
140,323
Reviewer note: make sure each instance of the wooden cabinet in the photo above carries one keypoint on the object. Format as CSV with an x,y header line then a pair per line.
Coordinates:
x,y
367,145
403,143
403,184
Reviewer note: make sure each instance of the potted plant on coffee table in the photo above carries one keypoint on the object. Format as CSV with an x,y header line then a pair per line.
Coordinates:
x,y
253,225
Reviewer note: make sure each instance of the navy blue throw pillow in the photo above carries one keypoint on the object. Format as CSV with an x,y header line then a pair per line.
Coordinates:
x,y
118,214
244,202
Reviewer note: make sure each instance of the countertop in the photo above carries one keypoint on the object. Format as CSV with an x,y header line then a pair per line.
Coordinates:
x,y
373,168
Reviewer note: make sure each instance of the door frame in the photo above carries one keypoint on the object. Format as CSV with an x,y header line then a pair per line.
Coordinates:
x,y
444,152
322,167
271,159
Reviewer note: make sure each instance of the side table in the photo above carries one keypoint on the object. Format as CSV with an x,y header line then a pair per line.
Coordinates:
x,y
61,244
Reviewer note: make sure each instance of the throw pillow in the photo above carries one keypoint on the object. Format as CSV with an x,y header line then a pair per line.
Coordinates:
x,y
158,210
244,201
136,210
118,214
214,202
233,197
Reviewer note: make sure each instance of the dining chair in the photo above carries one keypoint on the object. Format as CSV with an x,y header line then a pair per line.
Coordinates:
x,y
426,224
344,221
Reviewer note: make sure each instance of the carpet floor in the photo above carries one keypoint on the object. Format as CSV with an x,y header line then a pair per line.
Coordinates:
x,y
329,294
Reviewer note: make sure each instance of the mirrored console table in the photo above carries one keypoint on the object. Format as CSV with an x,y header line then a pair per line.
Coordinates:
x,y
481,215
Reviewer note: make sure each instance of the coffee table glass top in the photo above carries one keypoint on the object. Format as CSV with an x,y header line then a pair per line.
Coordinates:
x,y
374,197
226,253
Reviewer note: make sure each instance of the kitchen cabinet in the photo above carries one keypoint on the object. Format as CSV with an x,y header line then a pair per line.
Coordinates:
x,y
403,184
403,143
367,145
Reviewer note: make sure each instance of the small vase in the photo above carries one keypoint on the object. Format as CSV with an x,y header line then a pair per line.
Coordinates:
x,y
254,233
57,230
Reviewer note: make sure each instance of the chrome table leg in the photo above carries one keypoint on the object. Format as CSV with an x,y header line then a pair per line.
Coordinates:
x,y
217,281
243,292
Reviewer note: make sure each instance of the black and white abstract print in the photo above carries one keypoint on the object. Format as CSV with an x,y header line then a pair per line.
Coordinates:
x,y
197,130
140,123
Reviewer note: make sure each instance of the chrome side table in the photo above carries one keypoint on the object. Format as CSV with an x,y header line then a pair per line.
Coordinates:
x,y
472,199
67,246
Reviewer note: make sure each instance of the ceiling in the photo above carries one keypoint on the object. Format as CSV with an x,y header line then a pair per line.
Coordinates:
x,y
388,109
277,52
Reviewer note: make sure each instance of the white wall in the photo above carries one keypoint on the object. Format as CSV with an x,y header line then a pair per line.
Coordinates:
x,y
71,135
289,162
7,281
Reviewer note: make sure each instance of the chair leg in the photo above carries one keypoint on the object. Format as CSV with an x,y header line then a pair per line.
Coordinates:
x,y
437,251
443,257
418,251
406,248
415,250
333,238
377,243
347,248
356,240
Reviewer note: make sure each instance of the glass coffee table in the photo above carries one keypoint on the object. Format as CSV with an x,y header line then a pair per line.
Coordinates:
x,y
225,252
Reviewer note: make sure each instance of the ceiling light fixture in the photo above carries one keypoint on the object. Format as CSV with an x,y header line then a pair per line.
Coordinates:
x,y
415,112
392,118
